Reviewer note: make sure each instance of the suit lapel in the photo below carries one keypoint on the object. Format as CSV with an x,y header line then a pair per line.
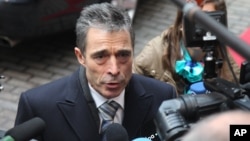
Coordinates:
x,y
137,104
77,112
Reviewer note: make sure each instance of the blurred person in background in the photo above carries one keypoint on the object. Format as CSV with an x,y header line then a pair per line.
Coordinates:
x,y
216,127
161,57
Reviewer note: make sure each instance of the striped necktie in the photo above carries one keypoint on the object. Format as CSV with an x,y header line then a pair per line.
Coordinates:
x,y
108,111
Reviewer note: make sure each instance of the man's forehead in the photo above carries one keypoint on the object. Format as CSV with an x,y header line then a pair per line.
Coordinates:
x,y
110,50
104,38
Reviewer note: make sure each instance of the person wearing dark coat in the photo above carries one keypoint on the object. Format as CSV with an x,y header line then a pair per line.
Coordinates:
x,y
71,106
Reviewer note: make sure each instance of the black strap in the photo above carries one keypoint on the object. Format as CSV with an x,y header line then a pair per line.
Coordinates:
x,y
90,100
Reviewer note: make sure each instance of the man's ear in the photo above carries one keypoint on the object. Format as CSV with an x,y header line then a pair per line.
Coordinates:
x,y
79,56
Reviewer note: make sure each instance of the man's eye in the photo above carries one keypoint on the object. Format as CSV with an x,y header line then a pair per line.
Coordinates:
x,y
99,56
124,54
123,57
100,59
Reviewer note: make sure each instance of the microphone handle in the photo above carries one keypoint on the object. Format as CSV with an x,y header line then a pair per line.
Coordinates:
x,y
27,130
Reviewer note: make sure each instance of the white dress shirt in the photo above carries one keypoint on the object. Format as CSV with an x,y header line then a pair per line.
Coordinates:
x,y
99,100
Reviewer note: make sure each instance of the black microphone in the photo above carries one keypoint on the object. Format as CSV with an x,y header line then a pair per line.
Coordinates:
x,y
193,13
115,132
25,131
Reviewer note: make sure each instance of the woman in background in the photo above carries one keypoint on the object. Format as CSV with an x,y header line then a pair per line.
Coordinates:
x,y
162,58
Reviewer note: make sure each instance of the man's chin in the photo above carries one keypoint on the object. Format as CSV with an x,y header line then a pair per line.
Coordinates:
x,y
111,94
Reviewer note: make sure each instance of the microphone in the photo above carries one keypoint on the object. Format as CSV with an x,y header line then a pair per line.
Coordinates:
x,y
194,13
115,132
25,131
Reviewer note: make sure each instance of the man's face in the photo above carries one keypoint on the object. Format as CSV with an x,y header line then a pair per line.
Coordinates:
x,y
208,7
108,61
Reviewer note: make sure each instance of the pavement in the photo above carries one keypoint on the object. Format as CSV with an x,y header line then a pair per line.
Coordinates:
x,y
41,61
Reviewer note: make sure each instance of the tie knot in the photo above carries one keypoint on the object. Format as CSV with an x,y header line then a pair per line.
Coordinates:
x,y
108,110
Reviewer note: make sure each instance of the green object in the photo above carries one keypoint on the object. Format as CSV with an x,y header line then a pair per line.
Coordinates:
x,y
188,69
7,138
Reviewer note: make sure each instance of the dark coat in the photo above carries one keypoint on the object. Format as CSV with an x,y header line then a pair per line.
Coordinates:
x,y
64,107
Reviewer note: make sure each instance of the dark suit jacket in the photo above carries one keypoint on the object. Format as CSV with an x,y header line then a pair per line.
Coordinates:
x,y
66,110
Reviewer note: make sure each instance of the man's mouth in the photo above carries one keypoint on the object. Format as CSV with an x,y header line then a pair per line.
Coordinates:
x,y
112,85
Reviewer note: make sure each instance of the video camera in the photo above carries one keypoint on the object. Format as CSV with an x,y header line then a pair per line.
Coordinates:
x,y
197,35
176,116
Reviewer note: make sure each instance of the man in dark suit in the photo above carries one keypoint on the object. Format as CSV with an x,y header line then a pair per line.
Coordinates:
x,y
70,106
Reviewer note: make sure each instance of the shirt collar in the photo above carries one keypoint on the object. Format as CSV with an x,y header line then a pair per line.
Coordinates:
x,y
99,99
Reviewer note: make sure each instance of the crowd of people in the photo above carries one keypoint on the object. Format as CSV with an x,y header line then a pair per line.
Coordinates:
x,y
112,85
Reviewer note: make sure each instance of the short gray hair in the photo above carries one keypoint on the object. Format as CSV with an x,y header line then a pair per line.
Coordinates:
x,y
104,16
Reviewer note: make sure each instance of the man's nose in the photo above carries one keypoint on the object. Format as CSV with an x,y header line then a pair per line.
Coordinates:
x,y
113,67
